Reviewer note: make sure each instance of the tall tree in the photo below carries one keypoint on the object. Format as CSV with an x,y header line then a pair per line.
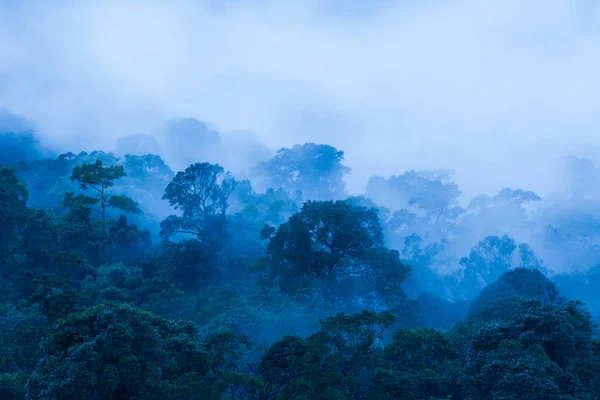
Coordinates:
x,y
201,192
100,178
335,243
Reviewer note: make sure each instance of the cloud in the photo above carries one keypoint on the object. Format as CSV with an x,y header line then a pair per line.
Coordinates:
x,y
462,84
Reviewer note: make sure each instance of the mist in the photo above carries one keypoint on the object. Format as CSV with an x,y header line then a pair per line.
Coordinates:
x,y
251,199
494,90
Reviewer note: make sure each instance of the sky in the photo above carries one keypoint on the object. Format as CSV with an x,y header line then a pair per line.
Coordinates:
x,y
493,89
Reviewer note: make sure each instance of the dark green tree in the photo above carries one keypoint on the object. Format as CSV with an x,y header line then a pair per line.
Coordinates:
x,y
13,212
518,283
115,351
338,362
534,353
333,245
420,364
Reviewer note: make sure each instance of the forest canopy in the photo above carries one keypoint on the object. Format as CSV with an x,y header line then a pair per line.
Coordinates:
x,y
125,278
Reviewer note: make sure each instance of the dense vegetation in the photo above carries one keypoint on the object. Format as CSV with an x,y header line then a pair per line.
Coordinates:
x,y
122,279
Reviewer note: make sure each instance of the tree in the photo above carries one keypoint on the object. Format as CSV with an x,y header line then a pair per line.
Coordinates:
x,y
487,261
21,328
431,191
422,260
120,352
126,242
23,147
288,366
534,353
518,283
100,178
149,171
315,169
201,192
491,258
419,364
518,196
184,263
13,211
338,362
335,244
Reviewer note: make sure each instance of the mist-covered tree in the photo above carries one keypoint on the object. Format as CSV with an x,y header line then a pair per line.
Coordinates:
x,y
422,260
22,147
100,178
201,192
314,169
581,285
431,191
507,211
322,307
491,258
272,207
486,262
149,169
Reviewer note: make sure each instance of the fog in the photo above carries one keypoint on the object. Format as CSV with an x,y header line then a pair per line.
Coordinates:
x,y
494,90
228,196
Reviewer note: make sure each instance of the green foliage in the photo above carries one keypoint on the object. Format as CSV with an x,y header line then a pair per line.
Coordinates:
x,y
21,328
334,246
117,351
12,386
13,213
100,178
419,364
321,315
201,192
96,176
493,257
532,354
185,263
519,283
126,242
338,362
124,203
